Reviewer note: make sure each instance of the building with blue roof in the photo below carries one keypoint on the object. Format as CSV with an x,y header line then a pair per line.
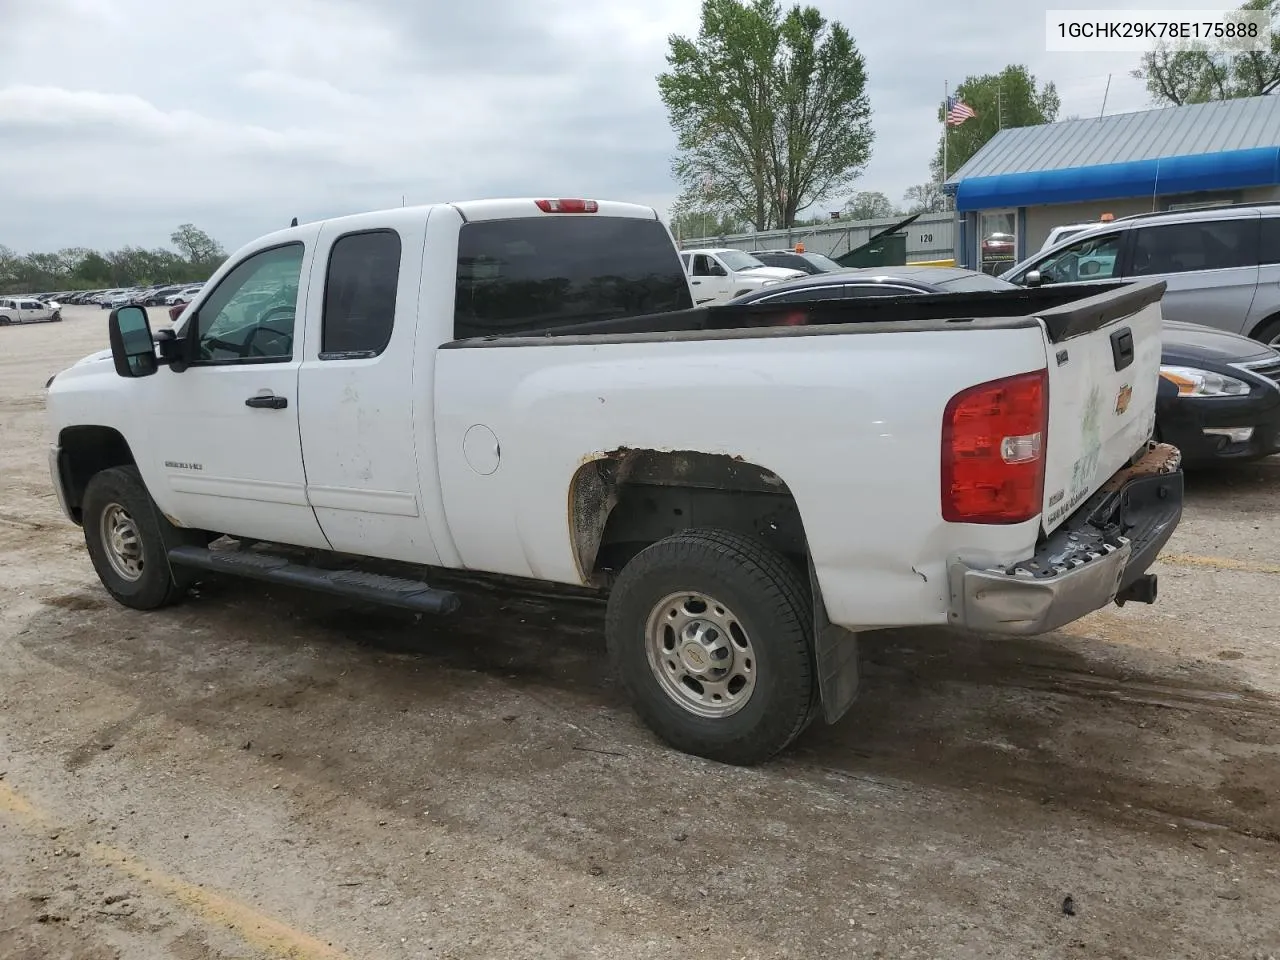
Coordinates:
x,y
1027,180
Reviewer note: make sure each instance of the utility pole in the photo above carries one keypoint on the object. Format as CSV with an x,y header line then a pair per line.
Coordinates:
x,y
1103,112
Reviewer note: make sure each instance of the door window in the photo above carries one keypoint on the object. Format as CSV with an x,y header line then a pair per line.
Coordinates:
x,y
705,266
249,318
360,295
1095,258
1269,242
1197,245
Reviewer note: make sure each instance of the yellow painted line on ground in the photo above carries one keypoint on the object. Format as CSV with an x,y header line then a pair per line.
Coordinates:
x,y
258,930
1222,563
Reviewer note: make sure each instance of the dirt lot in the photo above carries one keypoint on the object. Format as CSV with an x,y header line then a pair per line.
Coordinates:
x,y
263,773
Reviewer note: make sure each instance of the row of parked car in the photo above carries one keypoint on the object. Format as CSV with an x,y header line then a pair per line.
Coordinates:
x,y
157,295
1219,391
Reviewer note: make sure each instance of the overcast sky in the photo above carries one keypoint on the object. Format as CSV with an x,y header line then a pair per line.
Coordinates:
x,y
120,119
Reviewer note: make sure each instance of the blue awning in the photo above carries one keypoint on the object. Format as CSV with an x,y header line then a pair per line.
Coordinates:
x,y
1256,167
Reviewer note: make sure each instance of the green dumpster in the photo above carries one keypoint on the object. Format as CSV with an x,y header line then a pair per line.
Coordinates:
x,y
885,251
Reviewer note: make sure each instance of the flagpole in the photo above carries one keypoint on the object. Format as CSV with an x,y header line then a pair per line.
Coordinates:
x,y
946,97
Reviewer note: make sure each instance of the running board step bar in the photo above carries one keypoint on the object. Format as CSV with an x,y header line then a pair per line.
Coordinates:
x,y
354,584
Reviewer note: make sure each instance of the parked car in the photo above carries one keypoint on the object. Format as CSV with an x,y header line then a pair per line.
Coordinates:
x,y
158,296
721,274
1219,396
27,310
549,406
998,245
1221,265
1062,232
810,263
185,295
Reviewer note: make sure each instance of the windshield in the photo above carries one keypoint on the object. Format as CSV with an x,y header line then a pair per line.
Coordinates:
x,y
976,282
822,262
737,260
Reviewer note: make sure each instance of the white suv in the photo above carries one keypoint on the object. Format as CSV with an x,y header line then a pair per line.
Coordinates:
x,y
719,275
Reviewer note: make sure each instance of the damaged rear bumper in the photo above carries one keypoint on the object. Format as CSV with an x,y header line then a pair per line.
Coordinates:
x,y
1101,554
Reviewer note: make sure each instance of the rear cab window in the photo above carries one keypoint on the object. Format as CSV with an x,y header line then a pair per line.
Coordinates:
x,y
530,274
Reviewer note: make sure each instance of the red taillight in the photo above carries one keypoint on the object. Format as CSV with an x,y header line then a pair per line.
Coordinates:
x,y
567,206
993,440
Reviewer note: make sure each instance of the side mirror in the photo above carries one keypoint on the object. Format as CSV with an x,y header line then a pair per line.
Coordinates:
x,y
1033,279
132,348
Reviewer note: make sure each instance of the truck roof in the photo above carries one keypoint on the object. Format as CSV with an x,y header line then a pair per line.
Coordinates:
x,y
506,208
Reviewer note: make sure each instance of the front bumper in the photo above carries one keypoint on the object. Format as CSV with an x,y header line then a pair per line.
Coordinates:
x,y
1182,421
1101,550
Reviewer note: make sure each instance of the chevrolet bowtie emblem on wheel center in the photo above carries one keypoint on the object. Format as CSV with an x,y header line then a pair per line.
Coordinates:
x,y
1123,398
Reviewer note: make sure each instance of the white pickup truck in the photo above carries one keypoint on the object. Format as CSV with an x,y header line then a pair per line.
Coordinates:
x,y
719,275
523,387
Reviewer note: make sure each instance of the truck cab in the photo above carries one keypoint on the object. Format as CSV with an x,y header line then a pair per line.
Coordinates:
x,y
719,275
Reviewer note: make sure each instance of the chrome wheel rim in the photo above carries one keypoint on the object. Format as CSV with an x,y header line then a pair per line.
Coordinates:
x,y
700,654
122,542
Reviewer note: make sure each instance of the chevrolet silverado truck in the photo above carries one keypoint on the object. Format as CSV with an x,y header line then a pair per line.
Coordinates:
x,y
525,388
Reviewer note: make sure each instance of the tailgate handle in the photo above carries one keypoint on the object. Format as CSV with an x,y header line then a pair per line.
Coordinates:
x,y
1122,348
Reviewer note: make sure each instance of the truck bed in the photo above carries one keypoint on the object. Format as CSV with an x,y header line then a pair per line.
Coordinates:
x,y
1067,310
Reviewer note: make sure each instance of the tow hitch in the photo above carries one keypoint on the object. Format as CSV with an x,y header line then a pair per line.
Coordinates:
x,y
1142,590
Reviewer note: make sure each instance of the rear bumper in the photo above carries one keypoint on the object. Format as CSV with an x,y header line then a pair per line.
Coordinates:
x,y
1102,549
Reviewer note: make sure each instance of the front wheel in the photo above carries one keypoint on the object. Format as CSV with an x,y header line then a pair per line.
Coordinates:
x,y
129,539
709,633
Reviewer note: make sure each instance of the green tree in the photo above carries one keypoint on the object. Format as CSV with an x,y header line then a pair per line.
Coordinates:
x,y
1010,98
199,249
926,198
1180,76
770,110
697,222
869,205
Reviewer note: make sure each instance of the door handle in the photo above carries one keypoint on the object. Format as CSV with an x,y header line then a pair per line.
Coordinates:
x,y
269,402
697,282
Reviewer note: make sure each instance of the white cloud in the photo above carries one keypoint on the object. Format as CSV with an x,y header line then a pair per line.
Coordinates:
x,y
239,114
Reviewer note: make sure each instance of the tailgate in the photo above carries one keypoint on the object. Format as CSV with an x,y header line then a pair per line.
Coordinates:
x,y
1104,369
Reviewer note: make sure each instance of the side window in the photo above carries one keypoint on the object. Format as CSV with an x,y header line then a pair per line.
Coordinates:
x,y
1198,245
1269,242
807,294
686,260
1091,259
876,290
249,317
360,294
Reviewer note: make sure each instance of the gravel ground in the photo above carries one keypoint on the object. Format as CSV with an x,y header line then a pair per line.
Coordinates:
x,y
264,773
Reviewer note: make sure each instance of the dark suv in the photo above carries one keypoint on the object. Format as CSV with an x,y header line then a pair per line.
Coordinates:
x,y
810,263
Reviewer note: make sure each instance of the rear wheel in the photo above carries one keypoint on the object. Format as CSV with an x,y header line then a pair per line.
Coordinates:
x,y
129,540
709,633
4,321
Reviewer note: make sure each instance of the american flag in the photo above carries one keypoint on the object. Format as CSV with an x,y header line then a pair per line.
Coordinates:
x,y
958,111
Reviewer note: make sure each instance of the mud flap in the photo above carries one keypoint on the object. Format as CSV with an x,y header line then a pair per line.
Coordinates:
x,y
835,651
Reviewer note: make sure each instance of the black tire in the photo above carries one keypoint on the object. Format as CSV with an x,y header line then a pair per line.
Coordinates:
x,y
157,584
1269,333
4,321
772,603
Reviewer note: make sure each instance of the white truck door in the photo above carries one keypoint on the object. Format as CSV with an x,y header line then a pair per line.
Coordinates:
x,y
224,432
356,389
710,280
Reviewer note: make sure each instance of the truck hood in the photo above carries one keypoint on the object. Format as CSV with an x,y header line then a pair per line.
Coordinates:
x,y
94,357
773,273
